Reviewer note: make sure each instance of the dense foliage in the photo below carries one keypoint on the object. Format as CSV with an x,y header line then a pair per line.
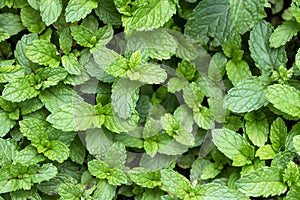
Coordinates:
x,y
149,99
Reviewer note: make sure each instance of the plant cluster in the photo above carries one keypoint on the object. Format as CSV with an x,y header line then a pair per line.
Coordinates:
x,y
149,99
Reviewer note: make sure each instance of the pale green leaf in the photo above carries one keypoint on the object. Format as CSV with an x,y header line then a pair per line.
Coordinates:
x,y
264,182
145,178
210,171
278,134
50,10
260,48
3,35
234,146
217,190
159,44
97,142
6,123
203,118
20,90
257,128
150,147
175,183
284,33
184,137
83,36
148,73
8,73
75,116
237,71
124,97
245,14
43,52
104,190
65,41
77,151
265,152
149,16
247,95
78,9
11,23
296,143
284,98
8,152
193,96
57,151
115,156
71,64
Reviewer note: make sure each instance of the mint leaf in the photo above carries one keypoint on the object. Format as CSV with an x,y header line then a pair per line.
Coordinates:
x,y
210,19
115,156
260,46
217,190
83,36
8,152
257,128
234,146
77,9
247,95
159,44
266,181
124,97
71,64
77,151
32,20
75,116
237,71
3,35
43,52
20,90
107,12
287,103
50,10
6,123
204,119
11,23
145,178
65,40
9,73
149,16
296,143
148,73
265,152
114,176
175,183
278,134
57,151
104,190
284,33
246,14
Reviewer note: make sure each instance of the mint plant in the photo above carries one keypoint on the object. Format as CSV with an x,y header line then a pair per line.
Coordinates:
x,y
149,99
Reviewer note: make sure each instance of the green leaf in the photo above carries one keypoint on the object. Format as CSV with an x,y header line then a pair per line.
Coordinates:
x,y
210,171
83,36
260,47
114,176
124,97
210,18
278,134
11,23
204,118
104,190
20,90
107,13
265,152
150,147
247,95
266,181
77,151
43,52
6,123
77,9
291,174
293,193
115,156
8,73
193,96
234,146
71,64
257,128
175,183
216,190
159,44
57,151
296,142
59,95
149,16
284,33
238,71
50,10
8,152
75,116
246,14
145,178
148,73
28,156
70,191
65,41
284,98
3,35
32,20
